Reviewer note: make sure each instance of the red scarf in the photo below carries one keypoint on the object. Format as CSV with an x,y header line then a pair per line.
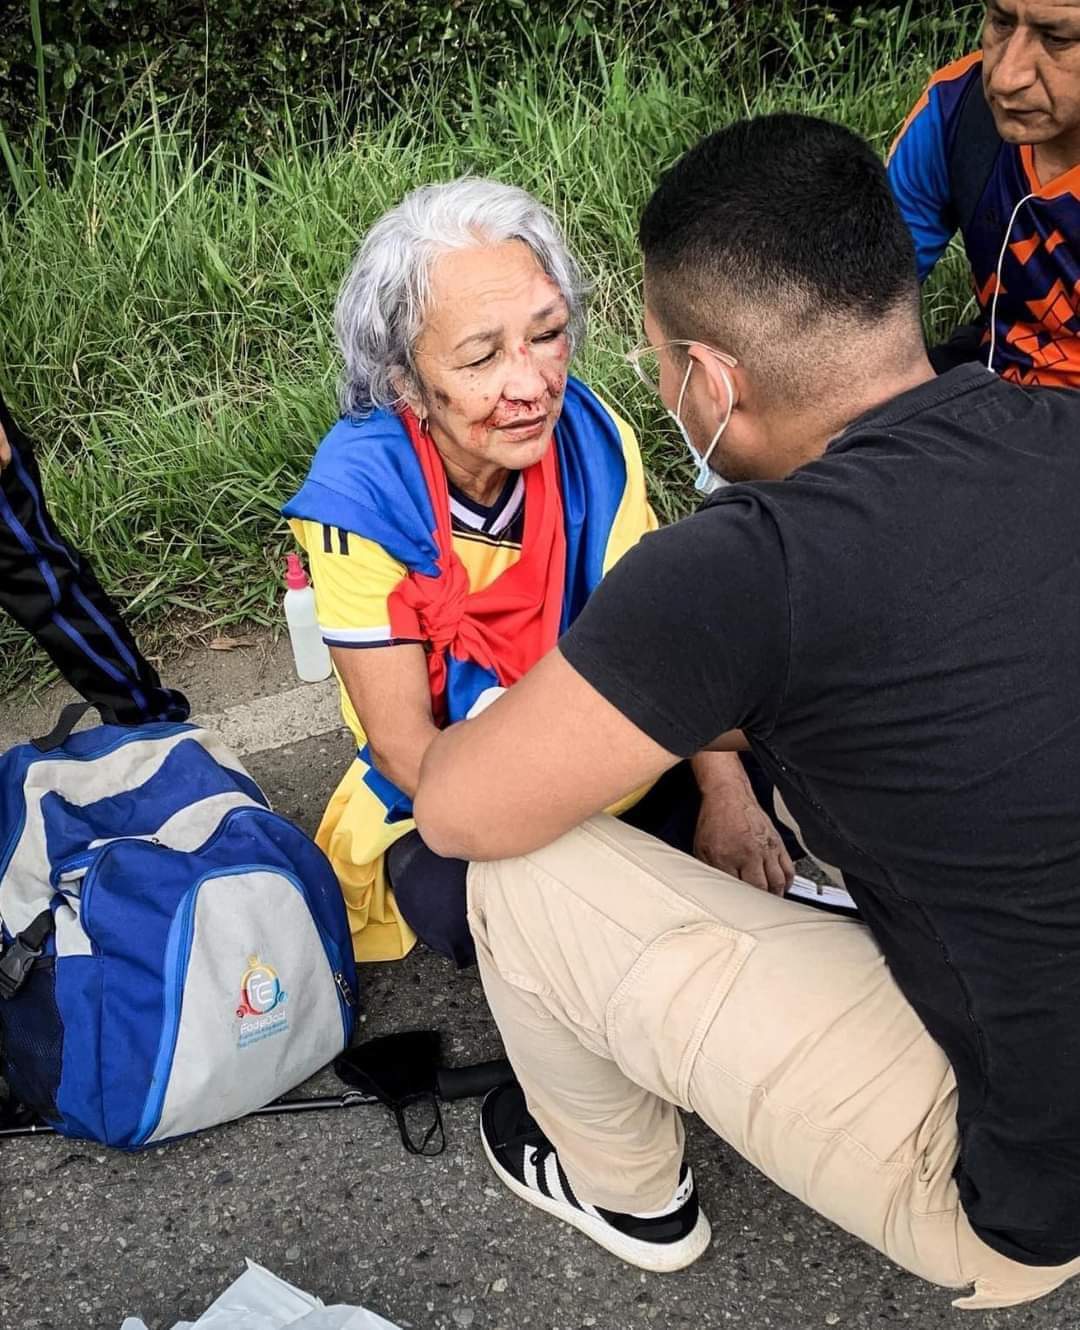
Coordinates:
x,y
509,625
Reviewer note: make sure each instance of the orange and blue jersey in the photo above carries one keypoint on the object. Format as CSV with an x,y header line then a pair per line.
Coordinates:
x,y
396,556
1038,306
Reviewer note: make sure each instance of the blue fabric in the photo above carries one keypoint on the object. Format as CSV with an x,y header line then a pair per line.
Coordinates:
x,y
129,901
465,681
397,803
188,774
592,466
78,997
919,177
15,764
366,478
42,539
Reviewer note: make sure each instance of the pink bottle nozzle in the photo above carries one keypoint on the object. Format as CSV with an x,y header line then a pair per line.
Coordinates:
x,y
295,577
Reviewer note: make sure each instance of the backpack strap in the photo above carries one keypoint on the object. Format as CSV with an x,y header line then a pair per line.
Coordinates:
x,y
68,719
971,153
25,948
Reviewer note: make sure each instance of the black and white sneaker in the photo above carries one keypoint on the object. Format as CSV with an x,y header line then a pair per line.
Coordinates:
x,y
526,1161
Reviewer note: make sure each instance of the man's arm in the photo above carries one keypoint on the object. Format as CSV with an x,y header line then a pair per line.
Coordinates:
x,y
548,754
5,449
919,178
660,665
545,756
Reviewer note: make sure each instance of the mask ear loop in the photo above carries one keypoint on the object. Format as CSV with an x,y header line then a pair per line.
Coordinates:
x,y
727,418
997,281
433,1142
685,385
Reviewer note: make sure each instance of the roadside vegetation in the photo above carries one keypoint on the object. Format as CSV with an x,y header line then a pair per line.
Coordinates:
x,y
165,303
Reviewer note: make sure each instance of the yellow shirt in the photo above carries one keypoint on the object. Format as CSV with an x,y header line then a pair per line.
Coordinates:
x,y
353,579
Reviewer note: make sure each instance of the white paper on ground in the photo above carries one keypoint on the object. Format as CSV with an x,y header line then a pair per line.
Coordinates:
x,y
341,1317
133,1323
259,1300
822,892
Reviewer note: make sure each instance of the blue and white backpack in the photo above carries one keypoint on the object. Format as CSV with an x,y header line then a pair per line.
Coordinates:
x,y
174,954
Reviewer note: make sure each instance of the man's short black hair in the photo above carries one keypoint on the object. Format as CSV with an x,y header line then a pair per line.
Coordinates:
x,y
789,214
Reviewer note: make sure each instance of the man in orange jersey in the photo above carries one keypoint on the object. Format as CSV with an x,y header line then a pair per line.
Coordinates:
x,y
992,149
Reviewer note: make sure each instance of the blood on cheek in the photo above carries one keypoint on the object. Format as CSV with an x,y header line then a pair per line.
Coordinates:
x,y
494,408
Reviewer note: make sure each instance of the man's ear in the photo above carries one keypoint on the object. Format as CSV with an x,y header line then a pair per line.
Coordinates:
x,y
721,382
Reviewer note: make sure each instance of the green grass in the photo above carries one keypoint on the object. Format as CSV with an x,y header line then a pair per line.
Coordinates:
x,y
165,315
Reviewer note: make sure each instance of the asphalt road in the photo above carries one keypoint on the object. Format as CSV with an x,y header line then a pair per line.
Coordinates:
x,y
334,1204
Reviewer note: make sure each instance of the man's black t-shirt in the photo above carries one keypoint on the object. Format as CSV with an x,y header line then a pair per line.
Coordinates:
x,y
896,627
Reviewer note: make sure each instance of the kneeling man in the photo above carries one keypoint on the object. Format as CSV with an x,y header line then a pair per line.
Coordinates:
x,y
885,607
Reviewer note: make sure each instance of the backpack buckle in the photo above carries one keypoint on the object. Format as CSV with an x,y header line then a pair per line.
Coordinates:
x,y
21,953
15,966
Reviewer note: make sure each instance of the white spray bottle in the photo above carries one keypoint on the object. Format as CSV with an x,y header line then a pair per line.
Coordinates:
x,y
310,652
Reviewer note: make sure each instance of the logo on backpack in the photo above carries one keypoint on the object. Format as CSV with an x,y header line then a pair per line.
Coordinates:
x,y
261,994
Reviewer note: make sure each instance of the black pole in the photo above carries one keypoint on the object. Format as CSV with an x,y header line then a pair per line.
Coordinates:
x,y
450,1083
351,1099
28,1131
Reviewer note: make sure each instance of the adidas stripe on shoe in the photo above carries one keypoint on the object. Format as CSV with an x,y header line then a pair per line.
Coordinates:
x,y
527,1163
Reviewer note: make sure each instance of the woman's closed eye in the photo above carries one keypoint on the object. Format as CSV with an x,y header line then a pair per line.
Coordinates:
x,y
476,364
543,339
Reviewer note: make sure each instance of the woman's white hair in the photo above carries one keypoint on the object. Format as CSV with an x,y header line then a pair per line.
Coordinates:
x,y
384,299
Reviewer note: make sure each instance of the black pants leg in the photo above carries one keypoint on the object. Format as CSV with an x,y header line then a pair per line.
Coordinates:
x,y
50,590
430,893
963,347
670,809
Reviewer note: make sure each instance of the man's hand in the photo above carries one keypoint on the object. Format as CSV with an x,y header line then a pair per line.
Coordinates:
x,y
734,833
5,449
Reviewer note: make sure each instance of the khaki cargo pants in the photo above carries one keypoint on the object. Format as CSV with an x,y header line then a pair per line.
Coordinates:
x,y
629,981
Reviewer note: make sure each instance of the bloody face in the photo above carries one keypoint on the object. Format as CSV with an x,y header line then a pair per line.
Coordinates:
x,y
492,358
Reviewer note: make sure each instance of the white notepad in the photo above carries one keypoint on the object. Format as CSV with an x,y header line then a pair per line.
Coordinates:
x,y
821,893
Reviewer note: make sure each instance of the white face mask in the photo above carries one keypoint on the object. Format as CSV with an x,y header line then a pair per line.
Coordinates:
x,y
707,481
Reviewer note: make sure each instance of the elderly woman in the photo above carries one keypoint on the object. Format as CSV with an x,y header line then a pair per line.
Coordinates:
x,y
456,519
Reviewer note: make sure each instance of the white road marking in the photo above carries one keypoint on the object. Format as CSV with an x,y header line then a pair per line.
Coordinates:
x,y
277,719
